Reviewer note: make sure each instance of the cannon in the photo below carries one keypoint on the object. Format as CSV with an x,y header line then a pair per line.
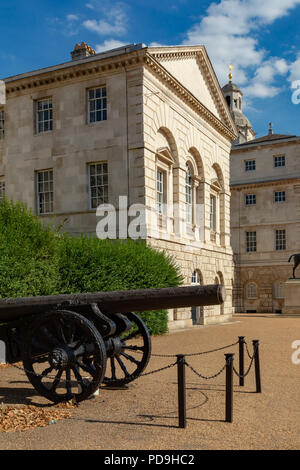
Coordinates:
x,y
71,344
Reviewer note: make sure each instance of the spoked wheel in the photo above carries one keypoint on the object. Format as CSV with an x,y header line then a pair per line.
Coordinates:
x,y
64,356
131,355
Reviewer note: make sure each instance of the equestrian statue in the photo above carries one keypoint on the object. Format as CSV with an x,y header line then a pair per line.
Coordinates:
x,y
296,262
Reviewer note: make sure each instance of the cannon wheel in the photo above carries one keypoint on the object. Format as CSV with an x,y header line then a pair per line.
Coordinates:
x,y
133,355
64,356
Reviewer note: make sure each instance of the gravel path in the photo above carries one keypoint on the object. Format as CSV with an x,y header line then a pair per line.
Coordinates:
x,y
144,415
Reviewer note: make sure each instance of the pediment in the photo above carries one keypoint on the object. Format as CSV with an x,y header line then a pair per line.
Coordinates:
x,y
191,66
216,185
165,155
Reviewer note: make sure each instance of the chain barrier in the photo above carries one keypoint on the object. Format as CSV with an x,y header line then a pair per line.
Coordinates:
x,y
148,373
249,368
170,365
249,355
203,376
159,370
181,364
199,353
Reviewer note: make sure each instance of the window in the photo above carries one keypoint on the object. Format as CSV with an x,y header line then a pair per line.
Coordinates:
x,y
250,242
2,189
213,204
97,105
189,195
250,165
280,240
250,199
196,277
279,196
279,161
160,190
44,116
279,290
1,124
44,191
98,184
251,290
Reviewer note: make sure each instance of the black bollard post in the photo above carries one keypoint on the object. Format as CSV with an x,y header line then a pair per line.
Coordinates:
x,y
229,388
181,390
257,365
241,359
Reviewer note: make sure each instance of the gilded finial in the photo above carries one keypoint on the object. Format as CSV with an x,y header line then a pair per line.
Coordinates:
x,y
230,74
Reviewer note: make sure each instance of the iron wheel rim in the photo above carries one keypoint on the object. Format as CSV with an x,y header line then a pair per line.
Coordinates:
x,y
135,352
47,339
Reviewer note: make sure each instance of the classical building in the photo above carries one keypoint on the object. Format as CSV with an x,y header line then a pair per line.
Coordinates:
x,y
149,125
265,219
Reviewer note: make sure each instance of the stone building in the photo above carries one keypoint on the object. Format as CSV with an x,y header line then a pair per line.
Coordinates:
x,y
265,210
148,124
265,219
233,96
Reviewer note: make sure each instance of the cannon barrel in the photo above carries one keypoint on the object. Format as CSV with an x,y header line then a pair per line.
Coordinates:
x,y
117,301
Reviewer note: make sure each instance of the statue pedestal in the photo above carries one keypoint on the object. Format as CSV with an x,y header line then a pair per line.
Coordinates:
x,y
291,296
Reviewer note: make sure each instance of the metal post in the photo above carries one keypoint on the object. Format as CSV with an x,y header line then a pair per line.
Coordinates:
x,y
181,390
241,359
257,365
229,388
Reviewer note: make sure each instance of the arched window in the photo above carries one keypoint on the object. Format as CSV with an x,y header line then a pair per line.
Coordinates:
x,y
189,194
217,206
251,290
166,153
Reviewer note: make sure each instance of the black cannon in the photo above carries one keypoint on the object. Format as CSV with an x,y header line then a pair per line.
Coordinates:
x,y
71,344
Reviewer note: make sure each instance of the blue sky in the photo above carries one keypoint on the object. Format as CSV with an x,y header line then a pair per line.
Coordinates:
x,y
259,37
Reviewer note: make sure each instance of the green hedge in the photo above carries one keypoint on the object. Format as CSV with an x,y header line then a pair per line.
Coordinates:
x,y
35,260
28,254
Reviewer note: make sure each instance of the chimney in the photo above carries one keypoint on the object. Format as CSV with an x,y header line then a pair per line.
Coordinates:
x,y
81,51
270,128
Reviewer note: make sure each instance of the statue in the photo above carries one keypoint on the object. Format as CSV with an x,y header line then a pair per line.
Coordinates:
x,y
296,262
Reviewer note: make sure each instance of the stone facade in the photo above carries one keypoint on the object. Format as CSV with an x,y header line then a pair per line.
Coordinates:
x,y
265,201
234,98
165,117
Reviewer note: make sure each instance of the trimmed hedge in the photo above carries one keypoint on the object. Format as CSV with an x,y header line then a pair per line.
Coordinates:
x,y
28,253
90,265
35,260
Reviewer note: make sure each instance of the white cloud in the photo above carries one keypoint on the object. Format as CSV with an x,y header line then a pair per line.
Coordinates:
x,y
109,44
72,17
263,82
229,31
270,10
295,69
114,21
68,25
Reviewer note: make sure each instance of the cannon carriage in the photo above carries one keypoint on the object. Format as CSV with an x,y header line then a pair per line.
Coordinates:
x,y
71,344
